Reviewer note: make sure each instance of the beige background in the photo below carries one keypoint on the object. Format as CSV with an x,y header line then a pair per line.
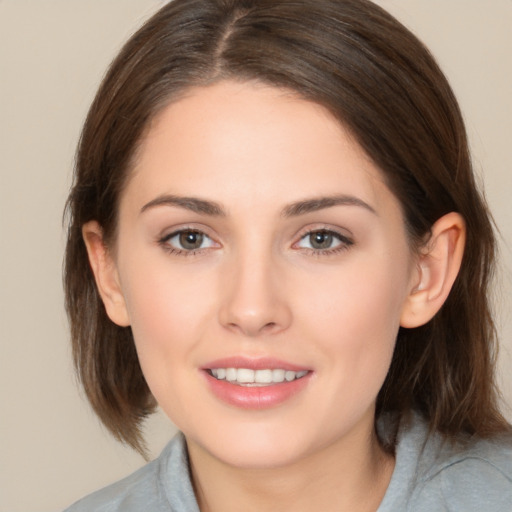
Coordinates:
x,y
52,56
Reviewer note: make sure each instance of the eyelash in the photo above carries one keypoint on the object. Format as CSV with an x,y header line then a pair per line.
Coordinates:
x,y
164,242
344,242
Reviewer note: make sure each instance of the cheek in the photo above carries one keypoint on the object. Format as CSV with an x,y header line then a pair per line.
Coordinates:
x,y
169,314
365,297
168,310
356,319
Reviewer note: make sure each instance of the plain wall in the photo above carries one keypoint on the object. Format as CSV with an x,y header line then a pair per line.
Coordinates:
x,y
53,54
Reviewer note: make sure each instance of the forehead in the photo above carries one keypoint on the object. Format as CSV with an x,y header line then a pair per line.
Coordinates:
x,y
250,140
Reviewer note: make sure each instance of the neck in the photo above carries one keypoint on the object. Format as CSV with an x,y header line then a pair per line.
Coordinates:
x,y
351,474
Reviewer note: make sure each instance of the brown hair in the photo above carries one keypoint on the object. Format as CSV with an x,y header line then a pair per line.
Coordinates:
x,y
381,82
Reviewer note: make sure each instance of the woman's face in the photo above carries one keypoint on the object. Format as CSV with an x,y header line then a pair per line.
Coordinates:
x,y
264,266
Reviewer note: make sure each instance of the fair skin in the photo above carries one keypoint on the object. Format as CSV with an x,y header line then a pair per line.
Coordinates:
x,y
255,233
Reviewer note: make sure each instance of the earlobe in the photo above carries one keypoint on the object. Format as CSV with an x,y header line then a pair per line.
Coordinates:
x,y
105,273
438,266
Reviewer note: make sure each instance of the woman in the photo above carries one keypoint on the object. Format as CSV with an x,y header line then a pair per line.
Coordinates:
x,y
275,235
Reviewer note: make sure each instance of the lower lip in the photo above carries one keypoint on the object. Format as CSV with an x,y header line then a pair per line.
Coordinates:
x,y
256,397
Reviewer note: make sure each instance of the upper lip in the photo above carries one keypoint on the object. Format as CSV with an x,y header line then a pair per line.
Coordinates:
x,y
260,363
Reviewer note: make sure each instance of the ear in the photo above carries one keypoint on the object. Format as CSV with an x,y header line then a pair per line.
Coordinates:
x,y
105,273
438,266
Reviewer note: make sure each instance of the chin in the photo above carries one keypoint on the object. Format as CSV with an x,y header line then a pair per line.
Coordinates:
x,y
260,454
257,446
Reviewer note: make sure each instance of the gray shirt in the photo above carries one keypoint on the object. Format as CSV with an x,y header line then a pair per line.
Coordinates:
x,y
431,475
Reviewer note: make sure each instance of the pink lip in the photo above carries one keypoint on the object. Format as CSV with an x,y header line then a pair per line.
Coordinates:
x,y
255,398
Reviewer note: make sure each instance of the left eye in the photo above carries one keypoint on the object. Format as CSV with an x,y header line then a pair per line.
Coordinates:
x,y
189,240
322,240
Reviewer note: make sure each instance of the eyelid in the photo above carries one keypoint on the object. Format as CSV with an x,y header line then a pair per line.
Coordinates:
x,y
163,239
346,239
343,233
170,231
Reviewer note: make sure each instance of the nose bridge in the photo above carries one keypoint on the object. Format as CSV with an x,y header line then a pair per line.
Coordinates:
x,y
254,298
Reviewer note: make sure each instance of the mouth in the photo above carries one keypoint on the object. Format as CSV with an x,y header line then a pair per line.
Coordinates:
x,y
256,378
257,384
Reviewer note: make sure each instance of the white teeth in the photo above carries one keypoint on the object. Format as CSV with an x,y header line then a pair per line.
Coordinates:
x,y
244,376
278,375
231,374
289,376
248,377
263,376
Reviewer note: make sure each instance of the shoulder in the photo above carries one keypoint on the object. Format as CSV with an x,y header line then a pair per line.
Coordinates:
x,y
161,485
432,473
473,476
139,487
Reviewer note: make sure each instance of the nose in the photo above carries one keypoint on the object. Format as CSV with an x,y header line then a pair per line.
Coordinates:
x,y
254,297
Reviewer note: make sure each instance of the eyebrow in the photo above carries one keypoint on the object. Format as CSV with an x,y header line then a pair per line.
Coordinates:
x,y
320,203
194,204
211,208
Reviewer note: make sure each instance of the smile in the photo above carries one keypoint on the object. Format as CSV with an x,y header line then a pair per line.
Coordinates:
x,y
256,378
256,383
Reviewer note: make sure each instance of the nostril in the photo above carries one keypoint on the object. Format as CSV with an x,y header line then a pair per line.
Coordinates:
x,y
254,330
269,326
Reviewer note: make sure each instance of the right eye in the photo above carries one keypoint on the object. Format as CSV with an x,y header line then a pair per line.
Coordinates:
x,y
187,241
